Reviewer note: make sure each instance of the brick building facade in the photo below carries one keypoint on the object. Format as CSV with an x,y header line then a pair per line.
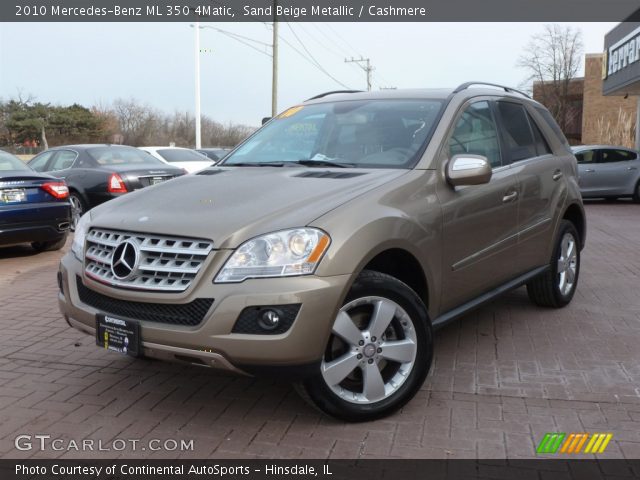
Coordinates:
x,y
596,118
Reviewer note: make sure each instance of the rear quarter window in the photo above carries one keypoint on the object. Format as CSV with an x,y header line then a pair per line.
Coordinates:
x,y
548,118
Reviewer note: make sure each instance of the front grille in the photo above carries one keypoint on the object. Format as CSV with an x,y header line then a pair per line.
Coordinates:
x,y
163,263
189,314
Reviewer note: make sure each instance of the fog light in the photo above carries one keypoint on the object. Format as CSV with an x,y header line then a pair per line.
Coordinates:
x,y
269,319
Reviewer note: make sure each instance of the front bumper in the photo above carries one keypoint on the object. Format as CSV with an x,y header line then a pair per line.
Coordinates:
x,y
211,342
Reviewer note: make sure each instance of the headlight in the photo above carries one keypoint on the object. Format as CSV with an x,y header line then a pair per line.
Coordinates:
x,y
280,254
79,236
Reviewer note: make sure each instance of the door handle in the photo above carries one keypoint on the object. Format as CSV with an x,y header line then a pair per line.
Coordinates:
x,y
557,175
632,168
589,170
510,197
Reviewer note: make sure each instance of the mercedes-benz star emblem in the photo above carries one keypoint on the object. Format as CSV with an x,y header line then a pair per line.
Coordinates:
x,y
124,262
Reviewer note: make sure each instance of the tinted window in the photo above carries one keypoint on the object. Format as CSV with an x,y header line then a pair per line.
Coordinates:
x,y
9,162
516,131
542,147
476,133
552,124
39,163
63,160
587,156
121,156
178,155
364,133
610,156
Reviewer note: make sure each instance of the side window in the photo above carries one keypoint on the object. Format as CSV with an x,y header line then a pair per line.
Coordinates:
x,y
63,160
39,163
516,131
587,156
476,133
542,147
610,156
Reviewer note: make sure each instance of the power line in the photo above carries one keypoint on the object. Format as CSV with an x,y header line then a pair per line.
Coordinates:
x,y
310,58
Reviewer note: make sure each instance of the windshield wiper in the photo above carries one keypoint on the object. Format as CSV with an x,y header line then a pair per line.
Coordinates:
x,y
309,162
254,164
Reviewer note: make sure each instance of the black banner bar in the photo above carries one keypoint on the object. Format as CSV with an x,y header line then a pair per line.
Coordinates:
x,y
546,469
316,10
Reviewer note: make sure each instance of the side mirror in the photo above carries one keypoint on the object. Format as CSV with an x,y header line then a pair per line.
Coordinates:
x,y
265,120
468,169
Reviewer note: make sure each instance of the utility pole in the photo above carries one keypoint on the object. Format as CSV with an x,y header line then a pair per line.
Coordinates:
x,y
274,64
366,67
198,119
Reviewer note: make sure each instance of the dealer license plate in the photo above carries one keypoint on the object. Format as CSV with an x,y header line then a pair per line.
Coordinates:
x,y
118,335
13,195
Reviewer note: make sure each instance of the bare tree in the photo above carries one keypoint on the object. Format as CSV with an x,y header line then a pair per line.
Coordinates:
x,y
552,59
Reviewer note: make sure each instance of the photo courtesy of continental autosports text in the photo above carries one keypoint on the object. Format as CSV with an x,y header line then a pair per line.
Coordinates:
x,y
319,239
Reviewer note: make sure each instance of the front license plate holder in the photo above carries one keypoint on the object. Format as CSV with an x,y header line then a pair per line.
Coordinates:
x,y
118,335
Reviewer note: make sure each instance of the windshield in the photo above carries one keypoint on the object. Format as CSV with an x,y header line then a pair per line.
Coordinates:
x,y
10,163
121,156
356,133
178,155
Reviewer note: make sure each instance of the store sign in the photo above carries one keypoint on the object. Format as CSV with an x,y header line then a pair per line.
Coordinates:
x,y
623,53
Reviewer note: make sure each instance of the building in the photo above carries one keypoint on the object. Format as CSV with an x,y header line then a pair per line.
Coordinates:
x,y
595,117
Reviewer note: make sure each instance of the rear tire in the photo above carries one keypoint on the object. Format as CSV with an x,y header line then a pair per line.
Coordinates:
x,y
50,246
379,352
78,208
556,287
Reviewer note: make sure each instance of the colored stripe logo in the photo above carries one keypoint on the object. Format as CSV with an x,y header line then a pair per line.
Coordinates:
x,y
558,442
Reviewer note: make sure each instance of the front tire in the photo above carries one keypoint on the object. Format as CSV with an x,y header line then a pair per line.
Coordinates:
x,y
636,193
379,352
556,287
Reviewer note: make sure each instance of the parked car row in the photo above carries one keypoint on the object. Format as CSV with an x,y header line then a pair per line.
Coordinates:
x,y
42,200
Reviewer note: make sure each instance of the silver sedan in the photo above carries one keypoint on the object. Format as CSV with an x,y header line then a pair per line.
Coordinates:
x,y
608,172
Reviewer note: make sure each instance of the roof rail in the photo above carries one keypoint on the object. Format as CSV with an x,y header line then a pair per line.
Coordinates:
x,y
466,85
331,93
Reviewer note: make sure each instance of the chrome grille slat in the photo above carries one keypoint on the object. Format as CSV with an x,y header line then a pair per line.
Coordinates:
x,y
166,263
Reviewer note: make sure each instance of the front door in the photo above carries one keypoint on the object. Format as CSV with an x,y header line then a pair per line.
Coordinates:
x,y
480,222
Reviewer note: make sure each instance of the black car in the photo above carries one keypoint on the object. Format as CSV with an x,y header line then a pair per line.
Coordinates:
x,y
34,208
97,173
215,154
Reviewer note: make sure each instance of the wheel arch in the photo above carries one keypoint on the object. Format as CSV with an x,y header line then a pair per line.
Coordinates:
x,y
575,214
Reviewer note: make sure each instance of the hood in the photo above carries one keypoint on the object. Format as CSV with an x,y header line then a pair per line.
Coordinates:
x,y
231,205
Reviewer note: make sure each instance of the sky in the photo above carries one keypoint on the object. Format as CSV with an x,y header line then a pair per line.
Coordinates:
x,y
96,63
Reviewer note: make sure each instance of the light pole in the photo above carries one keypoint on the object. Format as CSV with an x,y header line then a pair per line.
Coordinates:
x,y
198,115
274,64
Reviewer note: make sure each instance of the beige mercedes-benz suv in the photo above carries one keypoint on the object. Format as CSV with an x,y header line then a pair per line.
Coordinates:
x,y
329,245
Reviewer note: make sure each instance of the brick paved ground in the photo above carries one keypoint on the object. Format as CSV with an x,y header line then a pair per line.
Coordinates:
x,y
503,376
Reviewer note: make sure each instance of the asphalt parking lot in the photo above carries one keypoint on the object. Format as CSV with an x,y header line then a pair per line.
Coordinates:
x,y
503,377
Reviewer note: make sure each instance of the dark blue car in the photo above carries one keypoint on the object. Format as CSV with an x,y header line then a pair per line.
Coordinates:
x,y
34,208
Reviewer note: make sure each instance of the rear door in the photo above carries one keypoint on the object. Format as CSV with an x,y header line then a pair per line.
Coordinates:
x,y
479,221
542,187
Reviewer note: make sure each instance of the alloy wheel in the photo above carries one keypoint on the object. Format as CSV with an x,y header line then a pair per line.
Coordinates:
x,y
567,263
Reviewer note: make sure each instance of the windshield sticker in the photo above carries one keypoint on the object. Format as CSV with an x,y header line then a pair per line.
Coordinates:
x,y
290,112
